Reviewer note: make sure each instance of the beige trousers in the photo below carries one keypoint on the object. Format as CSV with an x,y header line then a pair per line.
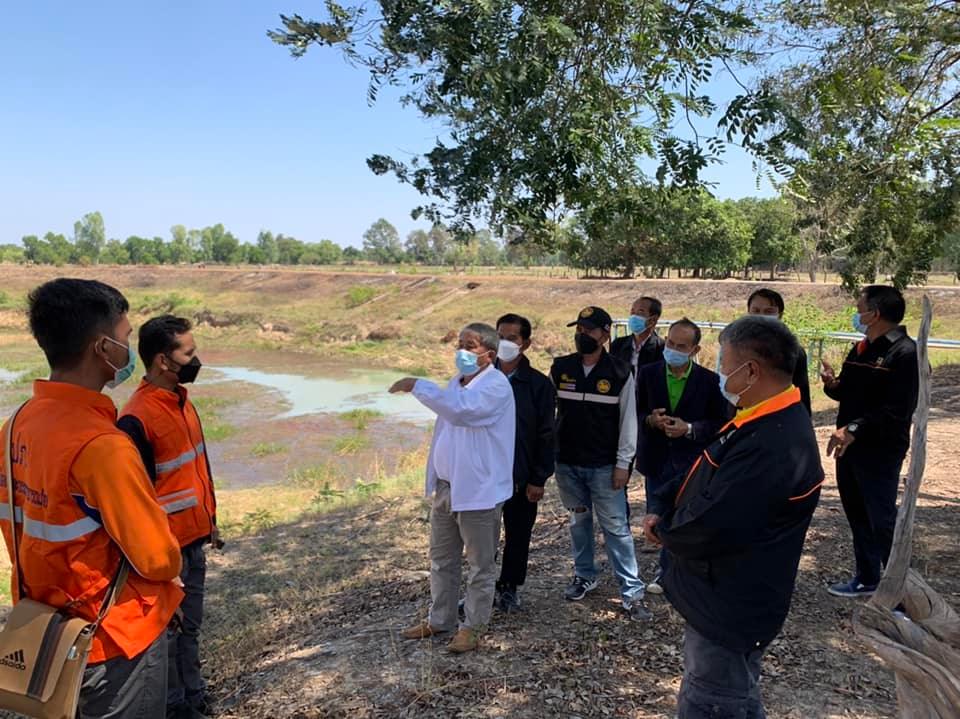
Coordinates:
x,y
477,532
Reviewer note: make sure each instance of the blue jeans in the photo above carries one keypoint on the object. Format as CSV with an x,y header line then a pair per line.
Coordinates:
x,y
718,683
591,489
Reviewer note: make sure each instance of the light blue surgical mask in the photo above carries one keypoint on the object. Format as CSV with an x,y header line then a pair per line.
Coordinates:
x,y
731,397
637,323
467,363
122,374
675,358
858,324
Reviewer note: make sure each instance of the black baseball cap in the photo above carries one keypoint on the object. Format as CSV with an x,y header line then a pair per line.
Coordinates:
x,y
595,317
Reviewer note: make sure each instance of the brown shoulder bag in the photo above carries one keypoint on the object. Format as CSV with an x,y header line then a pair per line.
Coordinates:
x,y
43,650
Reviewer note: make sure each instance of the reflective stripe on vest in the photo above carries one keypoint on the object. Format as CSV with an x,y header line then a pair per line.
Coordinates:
x,y
587,397
178,501
52,532
178,462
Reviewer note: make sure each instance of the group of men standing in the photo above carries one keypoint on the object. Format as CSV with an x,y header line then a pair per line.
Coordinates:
x,y
90,501
731,466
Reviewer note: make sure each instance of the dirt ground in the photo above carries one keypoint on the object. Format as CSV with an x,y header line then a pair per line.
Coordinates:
x,y
303,617
306,619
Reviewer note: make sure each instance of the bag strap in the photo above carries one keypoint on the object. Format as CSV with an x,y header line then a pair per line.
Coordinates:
x,y
8,469
119,579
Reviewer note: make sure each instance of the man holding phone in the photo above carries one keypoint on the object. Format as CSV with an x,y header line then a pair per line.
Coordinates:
x,y
877,389
680,410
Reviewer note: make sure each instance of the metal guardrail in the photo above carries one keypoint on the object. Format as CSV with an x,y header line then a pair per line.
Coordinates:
x,y
815,340
934,343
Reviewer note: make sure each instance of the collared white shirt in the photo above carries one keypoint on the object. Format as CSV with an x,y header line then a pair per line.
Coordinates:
x,y
635,357
473,440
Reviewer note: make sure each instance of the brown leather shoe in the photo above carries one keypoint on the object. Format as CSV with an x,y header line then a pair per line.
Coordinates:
x,y
465,640
420,631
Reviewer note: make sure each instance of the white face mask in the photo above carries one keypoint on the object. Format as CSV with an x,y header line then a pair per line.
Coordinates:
x,y
508,351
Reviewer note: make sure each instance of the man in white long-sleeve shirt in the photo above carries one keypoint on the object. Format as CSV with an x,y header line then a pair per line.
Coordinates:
x,y
470,475
596,443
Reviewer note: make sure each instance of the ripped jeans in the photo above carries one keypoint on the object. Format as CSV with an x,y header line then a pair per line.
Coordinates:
x,y
591,488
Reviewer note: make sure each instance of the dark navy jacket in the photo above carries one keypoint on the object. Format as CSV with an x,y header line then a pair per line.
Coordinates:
x,y
534,449
701,404
650,351
736,524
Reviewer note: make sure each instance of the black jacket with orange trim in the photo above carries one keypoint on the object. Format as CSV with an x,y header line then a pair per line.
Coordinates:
x,y
737,522
878,389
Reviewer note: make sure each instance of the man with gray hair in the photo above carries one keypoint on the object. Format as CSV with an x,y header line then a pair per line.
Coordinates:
x,y
733,526
470,475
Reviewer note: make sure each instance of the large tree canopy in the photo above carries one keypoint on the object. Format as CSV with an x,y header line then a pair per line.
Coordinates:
x,y
862,102
547,105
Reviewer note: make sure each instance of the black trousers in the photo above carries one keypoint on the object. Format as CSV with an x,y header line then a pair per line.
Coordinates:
x,y
185,683
519,516
868,481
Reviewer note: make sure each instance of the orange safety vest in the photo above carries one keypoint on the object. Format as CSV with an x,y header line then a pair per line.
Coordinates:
x,y
80,490
183,484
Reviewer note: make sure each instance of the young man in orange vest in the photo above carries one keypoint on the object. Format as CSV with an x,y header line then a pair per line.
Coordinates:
x,y
166,429
84,502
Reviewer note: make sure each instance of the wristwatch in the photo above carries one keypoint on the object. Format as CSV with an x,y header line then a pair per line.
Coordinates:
x,y
689,433
853,427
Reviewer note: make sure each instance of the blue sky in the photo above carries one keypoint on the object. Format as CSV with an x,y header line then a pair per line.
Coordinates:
x,y
186,113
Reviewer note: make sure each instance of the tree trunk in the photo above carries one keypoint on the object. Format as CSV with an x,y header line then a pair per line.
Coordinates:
x,y
924,650
773,271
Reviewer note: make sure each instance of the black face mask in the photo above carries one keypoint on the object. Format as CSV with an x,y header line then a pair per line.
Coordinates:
x,y
586,345
188,372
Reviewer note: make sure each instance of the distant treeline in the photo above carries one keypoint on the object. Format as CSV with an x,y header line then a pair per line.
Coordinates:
x,y
698,236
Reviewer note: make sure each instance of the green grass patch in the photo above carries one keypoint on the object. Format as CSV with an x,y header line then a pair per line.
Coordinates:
x,y
12,302
28,372
169,303
359,294
315,476
350,445
364,347
360,418
217,429
210,404
265,449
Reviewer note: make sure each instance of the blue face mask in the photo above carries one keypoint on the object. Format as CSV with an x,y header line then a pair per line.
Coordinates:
x,y
467,363
731,397
637,324
675,358
122,374
858,324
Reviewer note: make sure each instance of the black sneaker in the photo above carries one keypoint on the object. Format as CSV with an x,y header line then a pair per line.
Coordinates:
x,y
637,610
851,589
578,588
509,600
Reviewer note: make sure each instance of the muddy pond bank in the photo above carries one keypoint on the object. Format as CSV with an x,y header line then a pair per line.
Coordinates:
x,y
276,417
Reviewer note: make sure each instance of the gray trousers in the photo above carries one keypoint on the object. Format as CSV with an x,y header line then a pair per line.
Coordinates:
x,y
122,688
185,684
477,532
718,683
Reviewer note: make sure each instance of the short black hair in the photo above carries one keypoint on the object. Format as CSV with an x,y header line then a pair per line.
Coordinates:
x,y
511,319
67,314
159,336
687,322
772,296
887,301
656,306
767,340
